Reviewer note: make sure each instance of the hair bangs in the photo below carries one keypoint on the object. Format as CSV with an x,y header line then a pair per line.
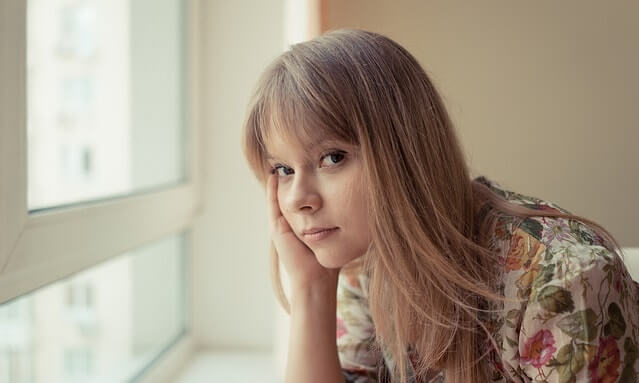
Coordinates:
x,y
299,111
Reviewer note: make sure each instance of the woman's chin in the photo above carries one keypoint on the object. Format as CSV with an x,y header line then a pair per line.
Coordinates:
x,y
329,261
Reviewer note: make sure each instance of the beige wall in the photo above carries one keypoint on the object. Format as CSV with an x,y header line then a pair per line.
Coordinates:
x,y
543,94
233,305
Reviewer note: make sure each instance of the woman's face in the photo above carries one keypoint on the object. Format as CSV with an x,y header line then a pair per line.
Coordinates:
x,y
321,187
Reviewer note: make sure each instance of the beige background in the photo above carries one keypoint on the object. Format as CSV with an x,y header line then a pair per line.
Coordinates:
x,y
543,94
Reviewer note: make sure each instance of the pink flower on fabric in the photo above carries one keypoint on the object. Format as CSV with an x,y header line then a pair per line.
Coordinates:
x,y
557,229
605,365
341,328
538,349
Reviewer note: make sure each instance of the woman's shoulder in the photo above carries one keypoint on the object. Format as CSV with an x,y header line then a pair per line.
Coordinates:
x,y
540,249
552,233
529,201
579,305
553,254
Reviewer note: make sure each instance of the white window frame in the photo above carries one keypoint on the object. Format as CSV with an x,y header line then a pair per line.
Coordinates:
x,y
39,248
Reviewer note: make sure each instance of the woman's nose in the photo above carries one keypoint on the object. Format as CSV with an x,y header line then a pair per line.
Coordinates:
x,y
303,197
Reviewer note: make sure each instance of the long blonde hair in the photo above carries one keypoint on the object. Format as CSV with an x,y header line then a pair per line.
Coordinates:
x,y
430,264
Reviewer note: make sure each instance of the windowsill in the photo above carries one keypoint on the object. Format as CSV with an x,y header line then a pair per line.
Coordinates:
x,y
212,366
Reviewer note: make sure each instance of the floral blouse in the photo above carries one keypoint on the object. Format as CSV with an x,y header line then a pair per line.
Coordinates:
x,y
579,321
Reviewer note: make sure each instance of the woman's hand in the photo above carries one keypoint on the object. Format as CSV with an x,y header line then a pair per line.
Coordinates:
x,y
298,259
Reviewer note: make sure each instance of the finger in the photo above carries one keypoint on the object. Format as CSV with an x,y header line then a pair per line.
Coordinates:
x,y
279,224
274,211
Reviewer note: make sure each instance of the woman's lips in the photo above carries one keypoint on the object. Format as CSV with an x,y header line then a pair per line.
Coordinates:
x,y
320,234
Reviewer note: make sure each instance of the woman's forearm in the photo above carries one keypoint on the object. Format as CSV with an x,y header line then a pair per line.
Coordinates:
x,y
312,351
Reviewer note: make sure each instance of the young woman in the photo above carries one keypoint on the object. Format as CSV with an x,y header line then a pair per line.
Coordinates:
x,y
432,276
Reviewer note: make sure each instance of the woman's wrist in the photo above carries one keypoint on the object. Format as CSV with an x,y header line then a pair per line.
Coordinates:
x,y
321,292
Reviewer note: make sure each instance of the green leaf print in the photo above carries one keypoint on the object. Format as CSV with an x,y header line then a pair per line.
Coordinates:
x,y
631,350
570,359
548,256
582,235
513,317
511,342
532,227
544,276
565,374
555,299
628,375
616,326
350,295
580,325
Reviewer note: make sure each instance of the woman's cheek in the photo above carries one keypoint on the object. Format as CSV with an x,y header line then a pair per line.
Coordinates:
x,y
281,193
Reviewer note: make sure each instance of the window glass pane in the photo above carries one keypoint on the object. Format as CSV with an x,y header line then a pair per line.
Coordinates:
x,y
105,324
105,98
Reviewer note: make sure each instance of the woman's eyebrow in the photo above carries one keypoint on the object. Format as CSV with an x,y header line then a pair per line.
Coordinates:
x,y
315,149
269,156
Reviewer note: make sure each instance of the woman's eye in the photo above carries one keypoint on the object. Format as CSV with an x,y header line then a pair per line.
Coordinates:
x,y
330,159
334,157
277,168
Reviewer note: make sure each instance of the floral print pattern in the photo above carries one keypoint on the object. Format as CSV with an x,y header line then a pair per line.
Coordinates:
x,y
578,319
604,366
538,349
